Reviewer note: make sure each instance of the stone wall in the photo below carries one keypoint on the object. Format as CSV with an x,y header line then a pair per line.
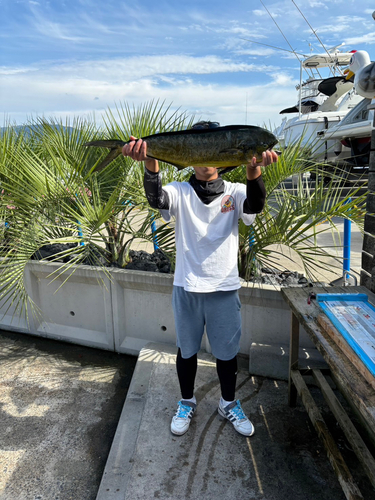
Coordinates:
x,y
368,251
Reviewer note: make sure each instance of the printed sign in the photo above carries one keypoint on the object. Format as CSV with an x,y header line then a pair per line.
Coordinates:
x,y
354,318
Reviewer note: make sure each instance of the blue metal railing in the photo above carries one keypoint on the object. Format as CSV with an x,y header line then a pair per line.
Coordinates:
x,y
154,233
347,245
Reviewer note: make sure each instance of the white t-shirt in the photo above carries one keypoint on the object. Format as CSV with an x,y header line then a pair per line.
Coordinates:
x,y
206,236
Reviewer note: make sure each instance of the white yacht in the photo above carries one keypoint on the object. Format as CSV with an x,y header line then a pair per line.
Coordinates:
x,y
352,135
323,101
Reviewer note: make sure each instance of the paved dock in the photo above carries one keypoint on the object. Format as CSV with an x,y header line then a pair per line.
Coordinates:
x,y
68,433
59,408
284,459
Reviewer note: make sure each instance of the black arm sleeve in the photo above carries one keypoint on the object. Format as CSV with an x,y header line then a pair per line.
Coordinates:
x,y
255,196
156,196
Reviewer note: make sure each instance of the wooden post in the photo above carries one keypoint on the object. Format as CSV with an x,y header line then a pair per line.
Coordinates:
x,y
344,476
368,250
351,433
293,359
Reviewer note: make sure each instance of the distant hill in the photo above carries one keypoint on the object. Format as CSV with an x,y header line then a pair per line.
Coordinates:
x,y
30,129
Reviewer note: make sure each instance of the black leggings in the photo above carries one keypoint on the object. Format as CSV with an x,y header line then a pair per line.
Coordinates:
x,y
187,370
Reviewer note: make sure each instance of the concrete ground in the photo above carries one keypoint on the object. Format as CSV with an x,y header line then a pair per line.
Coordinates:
x,y
59,409
61,405
284,459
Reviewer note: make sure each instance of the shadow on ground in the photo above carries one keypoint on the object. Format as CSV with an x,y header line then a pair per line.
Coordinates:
x,y
284,459
59,408
60,405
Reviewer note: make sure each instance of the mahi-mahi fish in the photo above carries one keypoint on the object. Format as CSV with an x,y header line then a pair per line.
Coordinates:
x,y
220,147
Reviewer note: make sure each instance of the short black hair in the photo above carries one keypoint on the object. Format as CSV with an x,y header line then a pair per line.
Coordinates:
x,y
205,124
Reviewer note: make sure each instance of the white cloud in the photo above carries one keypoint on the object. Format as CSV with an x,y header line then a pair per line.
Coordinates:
x,y
132,68
350,19
193,54
335,28
15,71
69,90
260,13
282,79
258,52
367,38
316,4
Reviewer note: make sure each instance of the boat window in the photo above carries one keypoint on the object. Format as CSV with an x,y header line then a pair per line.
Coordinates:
x,y
358,113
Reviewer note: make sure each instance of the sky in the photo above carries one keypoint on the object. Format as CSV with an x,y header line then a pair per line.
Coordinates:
x,y
80,58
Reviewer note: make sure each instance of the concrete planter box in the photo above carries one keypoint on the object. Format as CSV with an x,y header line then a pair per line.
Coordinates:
x,y
79,312
142,310
128,309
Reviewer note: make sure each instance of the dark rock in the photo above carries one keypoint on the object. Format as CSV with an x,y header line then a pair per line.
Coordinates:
x,y
162,261
144,261
303,281
143,265
269,270
289,280
165,269
47,252
270,280
272,276
95,257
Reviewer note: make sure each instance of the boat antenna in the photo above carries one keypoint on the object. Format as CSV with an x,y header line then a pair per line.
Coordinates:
x,y
278,27
312,29
274,47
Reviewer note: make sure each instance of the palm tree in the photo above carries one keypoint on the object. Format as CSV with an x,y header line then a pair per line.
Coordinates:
x,y
293,218
52,195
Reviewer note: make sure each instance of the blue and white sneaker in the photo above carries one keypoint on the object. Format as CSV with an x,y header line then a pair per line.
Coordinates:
x,y
181,421
234,413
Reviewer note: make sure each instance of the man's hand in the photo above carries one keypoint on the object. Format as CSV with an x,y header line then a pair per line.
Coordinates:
x,y
253,168
268,157
137,150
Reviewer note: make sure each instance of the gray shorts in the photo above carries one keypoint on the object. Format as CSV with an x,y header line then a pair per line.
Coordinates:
x,y
220,312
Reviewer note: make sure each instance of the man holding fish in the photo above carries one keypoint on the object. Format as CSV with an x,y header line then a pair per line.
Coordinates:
x,y
206,281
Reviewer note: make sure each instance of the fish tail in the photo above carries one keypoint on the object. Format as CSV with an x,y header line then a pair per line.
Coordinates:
x,y
115,147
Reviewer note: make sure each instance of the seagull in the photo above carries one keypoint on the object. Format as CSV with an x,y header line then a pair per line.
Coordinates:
x,y
361,66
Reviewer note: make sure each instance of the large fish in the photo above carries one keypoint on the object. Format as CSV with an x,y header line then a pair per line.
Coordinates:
x,y
219,147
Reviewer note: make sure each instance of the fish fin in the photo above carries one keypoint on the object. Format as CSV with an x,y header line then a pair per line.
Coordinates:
x,y
115,145
233,151
179,167
114,153
110,144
